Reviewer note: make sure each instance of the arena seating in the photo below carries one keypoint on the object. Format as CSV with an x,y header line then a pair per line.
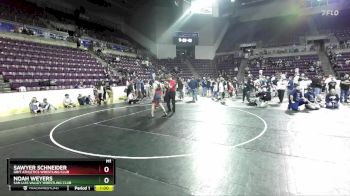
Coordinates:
x,y
22,12
272,32
31,14
341,60
295,62
170,64
204,68
226,65
127,64
26,64
343,35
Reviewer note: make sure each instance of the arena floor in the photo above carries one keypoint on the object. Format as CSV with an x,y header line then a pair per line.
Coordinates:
x,y
205,148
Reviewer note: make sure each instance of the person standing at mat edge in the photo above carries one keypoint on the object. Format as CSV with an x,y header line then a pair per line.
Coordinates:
x,y
172,93
193,85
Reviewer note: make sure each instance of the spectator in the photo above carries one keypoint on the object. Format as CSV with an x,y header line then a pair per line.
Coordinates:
x,y
89,100
147,88
47,106
215,90
221,87
67,102
104,96
180,88
247,87
332,100
296,100
34,106
332,84
100,91
95,92
311,98
262,97
138,87
132,98
281,87
344,88
81,99
109,93
290,86
193,84
130,88
316,85
235,85
204,87
208,87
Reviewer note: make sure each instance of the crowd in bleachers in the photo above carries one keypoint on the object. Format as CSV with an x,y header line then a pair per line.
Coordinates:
x,y
308,64
204,68
177,65
30,66
300,76
340,61
28,13
227,65
22,12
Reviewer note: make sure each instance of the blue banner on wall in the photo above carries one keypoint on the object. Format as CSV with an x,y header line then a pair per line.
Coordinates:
x,y
12,27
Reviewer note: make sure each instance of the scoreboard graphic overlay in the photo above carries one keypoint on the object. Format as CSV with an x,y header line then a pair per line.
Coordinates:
x,y
61,174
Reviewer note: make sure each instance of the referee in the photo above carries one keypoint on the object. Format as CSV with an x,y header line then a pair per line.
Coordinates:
x,y
171,94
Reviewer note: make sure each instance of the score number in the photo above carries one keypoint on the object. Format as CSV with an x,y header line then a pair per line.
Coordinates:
x,y
330,12
106,170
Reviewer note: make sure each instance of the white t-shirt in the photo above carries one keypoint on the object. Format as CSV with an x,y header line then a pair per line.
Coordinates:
x,y
215,89
147,86
22,89
100,90
221,87
282,84
131,97
67,101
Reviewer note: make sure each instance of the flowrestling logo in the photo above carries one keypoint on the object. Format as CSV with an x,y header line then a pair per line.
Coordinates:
x,y
330,13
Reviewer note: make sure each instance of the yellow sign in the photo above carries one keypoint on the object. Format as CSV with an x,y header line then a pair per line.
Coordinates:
x,y
104,188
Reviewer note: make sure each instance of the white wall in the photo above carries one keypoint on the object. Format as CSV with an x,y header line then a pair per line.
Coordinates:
x,y
166,51
205,52
140,38
211,32
16,103
221,36
161,50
